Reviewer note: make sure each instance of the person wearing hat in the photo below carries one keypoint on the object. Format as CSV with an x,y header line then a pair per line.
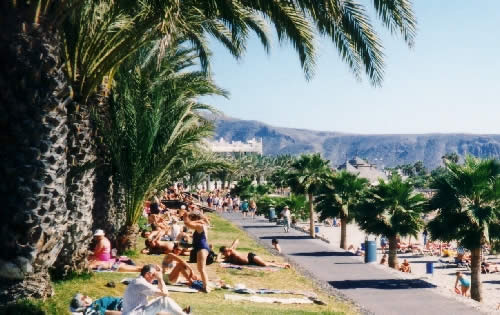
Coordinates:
x,y
286,218
101,257
102,249
107,305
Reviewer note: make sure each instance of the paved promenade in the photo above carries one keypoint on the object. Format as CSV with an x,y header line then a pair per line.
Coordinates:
x,y
376,290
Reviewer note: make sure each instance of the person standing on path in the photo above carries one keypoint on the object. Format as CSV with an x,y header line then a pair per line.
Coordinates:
x,y
286,218
244,208
253,208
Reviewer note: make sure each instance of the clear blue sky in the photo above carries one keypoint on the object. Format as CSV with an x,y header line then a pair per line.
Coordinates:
x,y
449,82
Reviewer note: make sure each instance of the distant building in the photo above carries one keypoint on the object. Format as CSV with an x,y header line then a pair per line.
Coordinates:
x,y
364,169
222,146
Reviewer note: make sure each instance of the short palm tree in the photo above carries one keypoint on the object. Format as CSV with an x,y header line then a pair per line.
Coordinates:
x,y
393,210
308,173
468,209
336,198
155,124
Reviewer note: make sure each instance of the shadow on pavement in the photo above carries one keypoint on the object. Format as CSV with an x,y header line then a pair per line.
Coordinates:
x,y
323,254
385,284
287,237
492,281
257,226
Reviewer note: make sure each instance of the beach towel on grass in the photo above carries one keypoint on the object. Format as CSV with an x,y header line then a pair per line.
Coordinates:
x,y
265,299
249,267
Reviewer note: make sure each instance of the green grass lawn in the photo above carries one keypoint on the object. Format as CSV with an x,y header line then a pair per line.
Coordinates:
x,y
222,233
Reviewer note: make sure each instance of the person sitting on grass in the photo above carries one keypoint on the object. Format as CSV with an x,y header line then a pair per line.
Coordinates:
x,y
464,284
177,268
101,257
135,298
232,256
276,245
405,266
107,305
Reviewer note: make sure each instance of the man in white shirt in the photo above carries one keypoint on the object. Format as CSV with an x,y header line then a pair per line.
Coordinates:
x,y
135,299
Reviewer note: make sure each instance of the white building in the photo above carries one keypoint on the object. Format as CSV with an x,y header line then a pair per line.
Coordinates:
x,y
222,146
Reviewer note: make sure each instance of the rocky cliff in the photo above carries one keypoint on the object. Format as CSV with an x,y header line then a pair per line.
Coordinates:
x,y
384,150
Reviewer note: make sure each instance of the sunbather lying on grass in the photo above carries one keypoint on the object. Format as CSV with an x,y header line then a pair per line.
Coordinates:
x,y
231,255
107,305
164,247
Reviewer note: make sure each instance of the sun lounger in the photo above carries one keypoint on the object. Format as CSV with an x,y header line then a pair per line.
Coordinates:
x,y
447,264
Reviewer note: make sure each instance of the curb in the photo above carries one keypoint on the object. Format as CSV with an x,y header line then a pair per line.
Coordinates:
x,y
328,289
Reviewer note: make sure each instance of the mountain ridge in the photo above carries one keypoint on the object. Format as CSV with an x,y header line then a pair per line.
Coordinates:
x,y
385,150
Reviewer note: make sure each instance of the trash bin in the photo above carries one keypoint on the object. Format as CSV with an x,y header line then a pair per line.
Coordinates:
x,y
370,251
429,268
272,215
316,229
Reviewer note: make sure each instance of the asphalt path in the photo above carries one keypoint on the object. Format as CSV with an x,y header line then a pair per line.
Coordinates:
x,y
374,289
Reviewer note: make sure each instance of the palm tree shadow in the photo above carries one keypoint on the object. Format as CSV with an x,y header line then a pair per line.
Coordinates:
x,y
492,281
286,237
256,226
382,284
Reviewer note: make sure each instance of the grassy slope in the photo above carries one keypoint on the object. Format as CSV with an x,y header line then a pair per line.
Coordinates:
x,y
213,303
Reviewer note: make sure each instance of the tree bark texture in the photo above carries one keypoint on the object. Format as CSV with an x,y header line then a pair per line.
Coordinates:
x,y
475,275
311,217
34,95
393,250
79,190
343,232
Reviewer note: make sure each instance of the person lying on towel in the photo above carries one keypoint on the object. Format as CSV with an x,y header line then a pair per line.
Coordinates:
x,y
231,255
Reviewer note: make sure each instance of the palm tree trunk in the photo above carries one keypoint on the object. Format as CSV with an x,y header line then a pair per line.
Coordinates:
x,y
343,232
393,250
79,189
311,216
127,240
475,275
34,94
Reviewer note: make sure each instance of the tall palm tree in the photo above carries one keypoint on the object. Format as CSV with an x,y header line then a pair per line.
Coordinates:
x,y
309,172
337,196
155,124
59,58
468,209
393,210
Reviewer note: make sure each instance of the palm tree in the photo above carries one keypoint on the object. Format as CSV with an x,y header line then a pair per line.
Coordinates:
x,y
59,59
307,175
393,210
468,209
155,125
336,197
